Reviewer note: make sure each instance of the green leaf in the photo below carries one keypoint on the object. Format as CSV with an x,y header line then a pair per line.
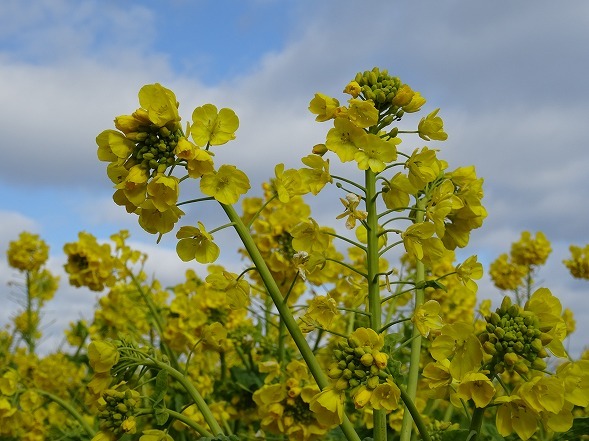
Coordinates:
x,y
161,386
161,416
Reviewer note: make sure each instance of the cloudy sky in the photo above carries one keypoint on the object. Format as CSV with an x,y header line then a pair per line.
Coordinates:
x,y
510,79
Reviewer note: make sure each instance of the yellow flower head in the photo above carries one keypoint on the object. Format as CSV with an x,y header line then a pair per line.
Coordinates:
x,y
226,185
102,355
210,127
432,127
427,317
531,251
323,106
477,387
353,88
328,407
28,253
159,103
362,113
344,139
578,264
196,243
163,191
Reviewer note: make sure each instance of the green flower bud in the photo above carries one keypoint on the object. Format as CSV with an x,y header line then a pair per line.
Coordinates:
x,y
372,382
536,345
359,352
499,332
342,364
545,338
347,374
494,318
335,373
505,304
539,364
518,347
489,348
358,373
367,360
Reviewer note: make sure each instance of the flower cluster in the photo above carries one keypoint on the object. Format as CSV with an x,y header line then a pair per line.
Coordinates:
x,y
578,264
28,253
361,369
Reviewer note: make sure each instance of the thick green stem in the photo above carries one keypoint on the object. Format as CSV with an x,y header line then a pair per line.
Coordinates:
x,y
413,375
29,335
412,410
477,422
285,313
374,303
69,409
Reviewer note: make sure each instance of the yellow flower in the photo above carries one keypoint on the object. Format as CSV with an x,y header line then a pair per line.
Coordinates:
x,y
212,128
514,416
366,337
28,253
134,185
395,192
531,251
351,203
288,183
89,263
578,264
154,221
196,243
458,343
113,145
548,309
226,185
403,96
163,191
362,113
386,396
322,310
362,397
309,237
477,387
427,317
414,236
328,407
236,291
344,139
423,167
129,425
159,103
323,106
102,355
214,335
468,270
317,175
374,152
353,88
432,127
415,104
505,274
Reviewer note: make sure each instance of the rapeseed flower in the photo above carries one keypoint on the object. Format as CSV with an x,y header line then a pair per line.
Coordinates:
x,y
212,127
226,185
196,243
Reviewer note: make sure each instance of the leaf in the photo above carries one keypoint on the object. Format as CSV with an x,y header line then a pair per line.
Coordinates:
x,y
161,416
161,386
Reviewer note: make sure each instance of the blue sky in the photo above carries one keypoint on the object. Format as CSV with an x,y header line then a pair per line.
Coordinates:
x,y
510,80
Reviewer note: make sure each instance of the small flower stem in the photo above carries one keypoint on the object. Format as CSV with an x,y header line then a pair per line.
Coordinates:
x,y
413,375
257,213
345,239
192,201
285,313
69,409
348,266
190,423
413,412
374,305
194,394
358,186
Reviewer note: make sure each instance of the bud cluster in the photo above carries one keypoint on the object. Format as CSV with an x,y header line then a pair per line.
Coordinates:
x,y
378,86
514,339
116,411
154,148
358,365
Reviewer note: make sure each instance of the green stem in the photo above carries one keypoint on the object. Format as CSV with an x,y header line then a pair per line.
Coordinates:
x,y
190,423
29,335
476,422
194,394
345,239
413,374
284,310
374,305
413,412
69,409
